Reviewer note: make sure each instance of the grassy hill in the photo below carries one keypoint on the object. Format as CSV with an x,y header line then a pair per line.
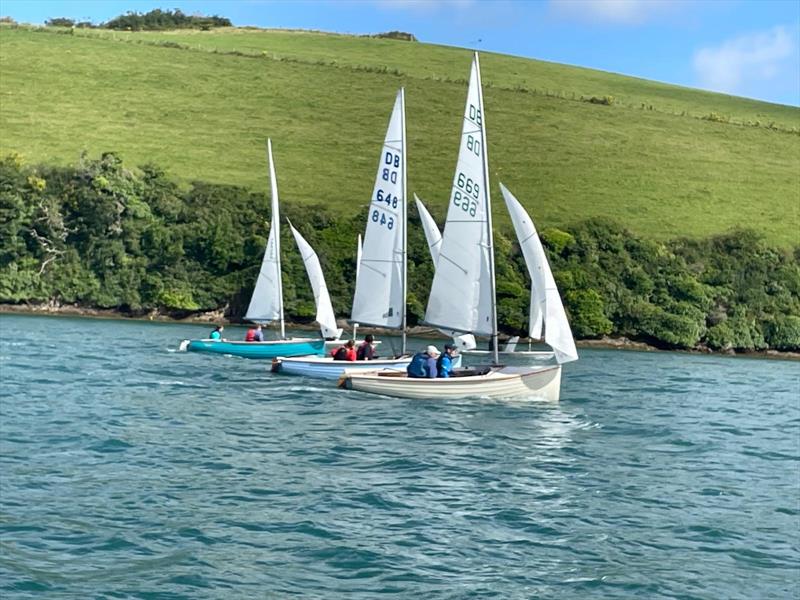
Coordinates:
x,y
664,161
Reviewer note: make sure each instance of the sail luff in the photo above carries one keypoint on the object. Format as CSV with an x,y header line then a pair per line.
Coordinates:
x,y
546,305
489,231
404,222
273,182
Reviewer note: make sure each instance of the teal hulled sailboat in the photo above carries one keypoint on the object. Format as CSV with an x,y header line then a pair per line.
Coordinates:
x,y
266,304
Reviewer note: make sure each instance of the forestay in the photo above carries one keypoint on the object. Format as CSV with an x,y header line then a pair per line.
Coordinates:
x,y
380,287
266,303
325,316
546,309
462,293
432,235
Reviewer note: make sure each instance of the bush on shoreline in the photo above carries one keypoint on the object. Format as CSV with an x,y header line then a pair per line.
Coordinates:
x,y
105,236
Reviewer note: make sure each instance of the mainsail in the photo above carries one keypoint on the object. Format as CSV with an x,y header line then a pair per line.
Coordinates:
x,y
266,304
546,308
325,316
462,293
380,294
432,235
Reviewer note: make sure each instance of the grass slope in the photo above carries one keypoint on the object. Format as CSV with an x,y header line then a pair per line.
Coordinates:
x,y
202,104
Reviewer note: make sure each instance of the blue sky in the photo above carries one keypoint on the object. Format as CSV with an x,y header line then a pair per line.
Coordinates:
x,y
741,47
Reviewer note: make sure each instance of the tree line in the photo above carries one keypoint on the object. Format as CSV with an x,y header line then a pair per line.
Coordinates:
x,y
99,234
155,20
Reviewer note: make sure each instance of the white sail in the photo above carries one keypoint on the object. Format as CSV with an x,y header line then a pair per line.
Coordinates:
x,y
432,234
325,316
266,304
546,308
462,293
380,285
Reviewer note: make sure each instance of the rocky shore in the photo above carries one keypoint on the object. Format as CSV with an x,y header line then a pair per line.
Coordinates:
x,y
218,316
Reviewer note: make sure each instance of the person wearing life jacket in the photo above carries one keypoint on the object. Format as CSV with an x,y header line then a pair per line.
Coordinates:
x,y
216,335
444,365
423,364
366,351
254,334
346,352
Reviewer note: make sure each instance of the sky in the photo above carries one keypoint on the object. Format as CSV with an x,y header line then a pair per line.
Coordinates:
x,y
747,48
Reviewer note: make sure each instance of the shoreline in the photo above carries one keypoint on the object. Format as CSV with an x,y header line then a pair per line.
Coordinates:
x,y
217,317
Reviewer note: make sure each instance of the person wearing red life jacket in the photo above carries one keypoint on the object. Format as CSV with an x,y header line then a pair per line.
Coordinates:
x,y
346,352
254,334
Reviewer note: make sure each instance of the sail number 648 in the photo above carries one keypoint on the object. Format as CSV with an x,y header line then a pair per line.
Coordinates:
x,y
378,216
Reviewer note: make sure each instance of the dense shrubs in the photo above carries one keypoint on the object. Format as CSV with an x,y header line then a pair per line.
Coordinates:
x,y
102,235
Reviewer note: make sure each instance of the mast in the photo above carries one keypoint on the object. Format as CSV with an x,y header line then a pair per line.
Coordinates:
x,y
489,235
405,215
276,226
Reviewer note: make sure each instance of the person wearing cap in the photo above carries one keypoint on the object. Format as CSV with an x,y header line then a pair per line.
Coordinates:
x,y
445,363
423,364
366,351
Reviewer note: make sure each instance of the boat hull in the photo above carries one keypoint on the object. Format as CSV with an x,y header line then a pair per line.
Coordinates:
x,y
259,350
502,382
327,368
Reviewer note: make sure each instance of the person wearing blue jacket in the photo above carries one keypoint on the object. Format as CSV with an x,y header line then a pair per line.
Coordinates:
x,y
423,364
445,363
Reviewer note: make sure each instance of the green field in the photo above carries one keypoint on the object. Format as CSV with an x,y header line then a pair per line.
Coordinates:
x,y
201,104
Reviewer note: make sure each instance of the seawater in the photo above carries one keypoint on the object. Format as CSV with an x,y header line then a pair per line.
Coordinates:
x,y
130,470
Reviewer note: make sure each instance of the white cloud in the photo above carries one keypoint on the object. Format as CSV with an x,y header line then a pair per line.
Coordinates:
x,y
739,64
623,12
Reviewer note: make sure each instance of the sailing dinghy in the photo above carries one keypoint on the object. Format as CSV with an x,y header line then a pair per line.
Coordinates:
x,y
466,344
380,296
266,304
462,295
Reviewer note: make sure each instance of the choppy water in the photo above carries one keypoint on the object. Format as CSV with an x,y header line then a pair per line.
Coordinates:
x,y
132,471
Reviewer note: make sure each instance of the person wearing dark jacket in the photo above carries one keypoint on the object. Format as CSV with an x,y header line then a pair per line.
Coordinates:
x,y
366,351
423,364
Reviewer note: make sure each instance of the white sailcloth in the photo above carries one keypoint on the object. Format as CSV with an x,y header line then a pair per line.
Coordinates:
x,y
462,293
325,316
546,308
432,235
266,304
380,295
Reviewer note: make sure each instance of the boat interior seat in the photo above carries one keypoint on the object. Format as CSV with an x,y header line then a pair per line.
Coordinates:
x,y
470,371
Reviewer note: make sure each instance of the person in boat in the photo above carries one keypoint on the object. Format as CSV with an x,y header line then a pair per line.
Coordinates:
x,y
346,352
444,365
254,334
366,350
423,364
217,333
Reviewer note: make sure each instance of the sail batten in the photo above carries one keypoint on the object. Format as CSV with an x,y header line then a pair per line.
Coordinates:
x,y
546,310
380,293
